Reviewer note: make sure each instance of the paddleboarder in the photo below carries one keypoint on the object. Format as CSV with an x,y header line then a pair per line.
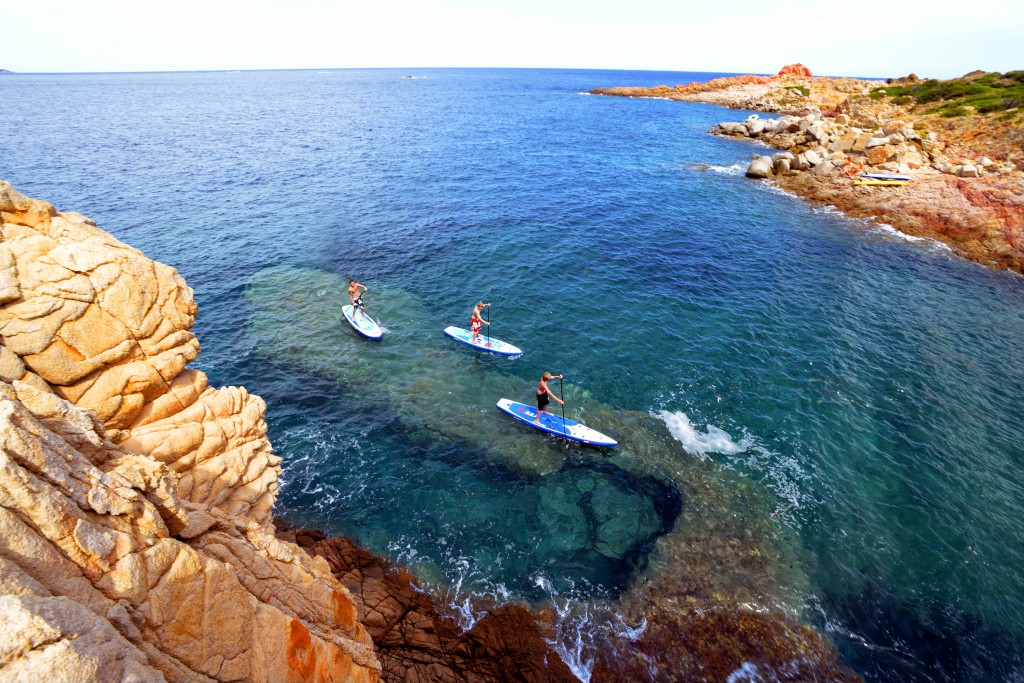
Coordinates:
x,y
356,297
476,323
543,392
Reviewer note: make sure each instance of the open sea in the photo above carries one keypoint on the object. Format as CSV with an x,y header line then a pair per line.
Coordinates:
x,y
848,398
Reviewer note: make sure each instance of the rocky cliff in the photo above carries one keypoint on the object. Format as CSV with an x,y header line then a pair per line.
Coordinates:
x,y
136,539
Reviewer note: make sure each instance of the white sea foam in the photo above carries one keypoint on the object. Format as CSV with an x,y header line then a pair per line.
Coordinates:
x,y
712,440
734,170
889,231
783,473
574,638
628,632
747,673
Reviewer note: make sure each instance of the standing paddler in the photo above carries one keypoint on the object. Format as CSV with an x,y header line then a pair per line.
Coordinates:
x,y
476,321
356,297
544,393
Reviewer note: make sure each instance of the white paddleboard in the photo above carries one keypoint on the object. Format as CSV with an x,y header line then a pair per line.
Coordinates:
x,y
553,424
362,323
482,342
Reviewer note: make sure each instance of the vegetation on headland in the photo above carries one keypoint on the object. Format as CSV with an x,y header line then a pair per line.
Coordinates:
x,y
961,139
975,93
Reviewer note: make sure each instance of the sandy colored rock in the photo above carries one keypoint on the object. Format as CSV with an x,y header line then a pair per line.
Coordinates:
x,y
57,639
135,501
89,523
94,318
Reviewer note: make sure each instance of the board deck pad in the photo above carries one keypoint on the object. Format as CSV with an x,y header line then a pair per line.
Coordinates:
x,y
552,424
483,343
362,323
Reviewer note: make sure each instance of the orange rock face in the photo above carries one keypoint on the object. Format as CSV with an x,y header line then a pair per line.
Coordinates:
x,y
981,219
797,69
135,516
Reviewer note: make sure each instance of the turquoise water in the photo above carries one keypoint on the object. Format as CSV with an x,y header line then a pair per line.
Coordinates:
x,y
846,400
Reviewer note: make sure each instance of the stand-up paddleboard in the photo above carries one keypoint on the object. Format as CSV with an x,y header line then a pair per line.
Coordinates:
x,y
362,323
882,183
885,176
482,342
552,424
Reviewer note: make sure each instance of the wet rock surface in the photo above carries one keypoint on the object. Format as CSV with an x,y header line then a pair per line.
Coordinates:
x,y
981,219
722,644
415,641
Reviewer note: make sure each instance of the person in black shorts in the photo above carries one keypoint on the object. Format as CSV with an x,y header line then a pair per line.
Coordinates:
x,y
355,296
543,394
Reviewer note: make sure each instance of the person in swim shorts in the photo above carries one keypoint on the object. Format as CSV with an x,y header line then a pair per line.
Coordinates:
x,y
476,323
355,296
543,394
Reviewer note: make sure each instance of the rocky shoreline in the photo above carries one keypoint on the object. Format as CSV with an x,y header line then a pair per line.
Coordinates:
x,y
965,189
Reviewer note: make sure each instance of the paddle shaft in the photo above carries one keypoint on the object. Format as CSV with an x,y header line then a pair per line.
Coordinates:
x,y
561,390
488,325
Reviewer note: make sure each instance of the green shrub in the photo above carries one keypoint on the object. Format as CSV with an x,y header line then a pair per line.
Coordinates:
x,y
950,112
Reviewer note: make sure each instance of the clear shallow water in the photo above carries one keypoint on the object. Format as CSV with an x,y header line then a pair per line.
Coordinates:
x,y
863,391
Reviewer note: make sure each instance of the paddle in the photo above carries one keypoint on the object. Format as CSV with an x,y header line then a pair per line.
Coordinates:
x,y
561,390
488,325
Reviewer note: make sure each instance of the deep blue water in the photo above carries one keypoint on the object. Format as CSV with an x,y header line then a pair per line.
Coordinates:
x,y
863,388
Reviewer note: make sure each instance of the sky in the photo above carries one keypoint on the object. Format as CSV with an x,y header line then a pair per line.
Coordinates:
x,y
882,38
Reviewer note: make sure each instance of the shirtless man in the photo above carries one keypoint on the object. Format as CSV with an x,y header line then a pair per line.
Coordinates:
x,y
476,323
355,296
543,392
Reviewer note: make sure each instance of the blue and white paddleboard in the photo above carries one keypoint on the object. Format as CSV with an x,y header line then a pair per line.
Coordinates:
x,y
363,323
552,424
885,176
482,342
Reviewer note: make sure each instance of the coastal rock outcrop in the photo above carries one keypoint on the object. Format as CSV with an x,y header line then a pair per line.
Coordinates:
x,y
417,642
793,90
834,129
824,157
797,69
135,531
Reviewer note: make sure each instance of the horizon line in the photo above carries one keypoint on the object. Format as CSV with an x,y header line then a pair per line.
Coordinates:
x,y
4,72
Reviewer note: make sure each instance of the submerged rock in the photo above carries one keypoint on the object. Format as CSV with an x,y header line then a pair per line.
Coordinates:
x,y
723,644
